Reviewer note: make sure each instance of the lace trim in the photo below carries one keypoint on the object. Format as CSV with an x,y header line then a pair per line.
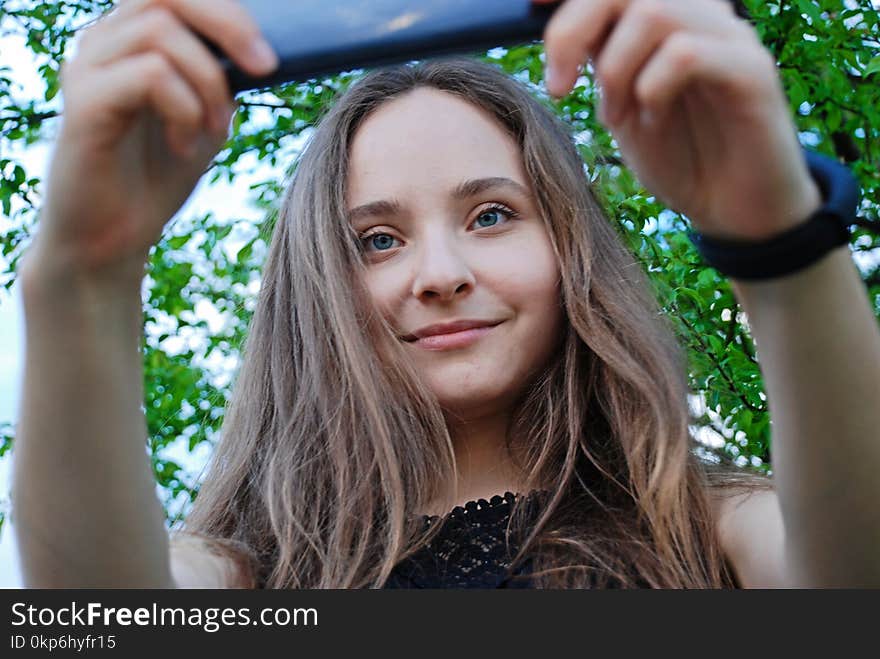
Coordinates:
x,y
478,507
469,550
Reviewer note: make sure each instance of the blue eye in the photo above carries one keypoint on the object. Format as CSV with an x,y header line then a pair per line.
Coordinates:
x,y
385,241
495,210
382,242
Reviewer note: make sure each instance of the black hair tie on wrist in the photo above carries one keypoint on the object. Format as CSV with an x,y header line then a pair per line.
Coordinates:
x,y
800,246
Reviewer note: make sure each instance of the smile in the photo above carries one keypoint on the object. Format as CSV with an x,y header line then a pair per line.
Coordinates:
x,y
453,340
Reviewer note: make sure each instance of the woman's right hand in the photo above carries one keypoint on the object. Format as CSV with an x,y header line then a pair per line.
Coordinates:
x,y
146,107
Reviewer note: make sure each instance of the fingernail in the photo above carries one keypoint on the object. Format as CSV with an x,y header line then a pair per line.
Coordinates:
x,y
647,117
262,55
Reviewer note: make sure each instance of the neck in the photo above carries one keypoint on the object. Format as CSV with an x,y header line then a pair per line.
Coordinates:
x,y
484,466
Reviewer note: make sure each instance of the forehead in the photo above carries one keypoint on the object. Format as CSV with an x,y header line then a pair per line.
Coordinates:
x,y
428,139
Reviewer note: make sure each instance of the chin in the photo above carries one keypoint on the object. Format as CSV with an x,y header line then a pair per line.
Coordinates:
x,y
479,398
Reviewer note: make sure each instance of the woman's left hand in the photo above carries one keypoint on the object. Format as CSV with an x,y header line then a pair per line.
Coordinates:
x,y
696,106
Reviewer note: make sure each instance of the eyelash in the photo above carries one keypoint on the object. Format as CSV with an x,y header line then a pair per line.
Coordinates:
x,y
509,212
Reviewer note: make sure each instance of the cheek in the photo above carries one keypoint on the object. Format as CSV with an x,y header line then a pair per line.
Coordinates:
x,y
389,296
528,272
533,286
384,287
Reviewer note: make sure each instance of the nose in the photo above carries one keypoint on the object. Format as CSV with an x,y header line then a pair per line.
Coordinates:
x,y
442,272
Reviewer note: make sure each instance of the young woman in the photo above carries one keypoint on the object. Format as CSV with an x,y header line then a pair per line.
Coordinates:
x,y
447,322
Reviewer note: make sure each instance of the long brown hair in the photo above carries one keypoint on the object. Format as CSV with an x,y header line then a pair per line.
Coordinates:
x,y
331,441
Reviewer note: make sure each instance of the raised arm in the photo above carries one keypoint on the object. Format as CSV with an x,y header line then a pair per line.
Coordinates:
x,y
146,106
818,345
697,107
86,512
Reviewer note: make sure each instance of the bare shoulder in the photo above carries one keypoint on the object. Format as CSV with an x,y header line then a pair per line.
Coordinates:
x,y
195,563
752,536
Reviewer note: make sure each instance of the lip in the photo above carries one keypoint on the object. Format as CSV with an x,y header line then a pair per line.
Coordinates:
x,y
452,340
447,336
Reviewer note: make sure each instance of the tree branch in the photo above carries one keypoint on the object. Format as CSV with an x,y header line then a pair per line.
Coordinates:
x,y
731,385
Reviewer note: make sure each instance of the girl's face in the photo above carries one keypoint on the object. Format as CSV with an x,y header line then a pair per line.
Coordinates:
x,y
450,232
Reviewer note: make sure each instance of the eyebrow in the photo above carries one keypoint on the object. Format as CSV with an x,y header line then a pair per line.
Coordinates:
x,y
463,190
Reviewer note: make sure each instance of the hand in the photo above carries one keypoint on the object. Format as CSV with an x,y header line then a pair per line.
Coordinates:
x,y
696,106
146,107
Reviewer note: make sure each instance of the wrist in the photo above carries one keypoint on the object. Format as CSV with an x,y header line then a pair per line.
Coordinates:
x,y
825,228
802,201
46,272
57,300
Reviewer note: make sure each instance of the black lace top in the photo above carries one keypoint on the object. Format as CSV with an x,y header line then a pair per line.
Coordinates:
x,y
469,550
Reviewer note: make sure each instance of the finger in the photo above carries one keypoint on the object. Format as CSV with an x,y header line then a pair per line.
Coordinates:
x,y
158,29
741,72
634,38
640,30
225,23
229,25
122,90
573,34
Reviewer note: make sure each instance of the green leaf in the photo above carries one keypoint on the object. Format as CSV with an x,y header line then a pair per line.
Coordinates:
x,y
179,241
707,278
745,420
244,254
810,9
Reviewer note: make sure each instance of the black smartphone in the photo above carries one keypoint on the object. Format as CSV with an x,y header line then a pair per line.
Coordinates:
x,y
315,37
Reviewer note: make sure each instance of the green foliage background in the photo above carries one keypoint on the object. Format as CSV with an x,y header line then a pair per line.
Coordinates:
x,y
829,59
